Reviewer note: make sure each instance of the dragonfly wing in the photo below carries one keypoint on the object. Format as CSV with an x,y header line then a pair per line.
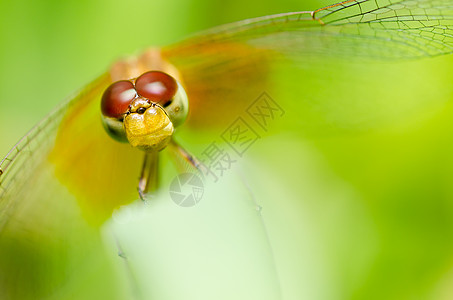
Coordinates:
x,y
229,66
47,228
71,143
101,172
380,29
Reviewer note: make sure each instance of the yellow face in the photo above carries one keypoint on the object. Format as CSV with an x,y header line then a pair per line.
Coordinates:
x,y
144,111
147,125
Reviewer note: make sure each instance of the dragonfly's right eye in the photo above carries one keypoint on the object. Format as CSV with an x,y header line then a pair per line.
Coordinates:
x,y
116,99
114,105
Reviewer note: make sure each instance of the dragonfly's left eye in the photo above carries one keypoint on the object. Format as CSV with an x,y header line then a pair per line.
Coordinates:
x,y
156,86
161,88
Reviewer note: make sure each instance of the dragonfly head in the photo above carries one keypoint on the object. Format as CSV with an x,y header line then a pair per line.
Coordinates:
x,y
144,111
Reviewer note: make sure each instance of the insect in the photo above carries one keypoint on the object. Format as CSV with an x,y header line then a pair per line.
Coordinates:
x,y
144,112
142,101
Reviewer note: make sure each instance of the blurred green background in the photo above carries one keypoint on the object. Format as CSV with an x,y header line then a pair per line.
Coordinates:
x,y
355,181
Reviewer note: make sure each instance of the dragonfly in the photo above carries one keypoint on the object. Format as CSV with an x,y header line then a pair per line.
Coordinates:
x,y
112,131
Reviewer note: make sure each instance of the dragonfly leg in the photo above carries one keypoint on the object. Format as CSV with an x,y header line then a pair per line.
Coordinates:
x,y
148,181
187,158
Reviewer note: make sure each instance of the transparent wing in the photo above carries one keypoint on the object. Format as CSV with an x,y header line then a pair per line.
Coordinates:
x,y
227,67
373,28
72,145
27,156
46,230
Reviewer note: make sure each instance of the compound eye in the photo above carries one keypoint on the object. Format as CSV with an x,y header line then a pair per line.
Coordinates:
x,y
156,86
116,99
